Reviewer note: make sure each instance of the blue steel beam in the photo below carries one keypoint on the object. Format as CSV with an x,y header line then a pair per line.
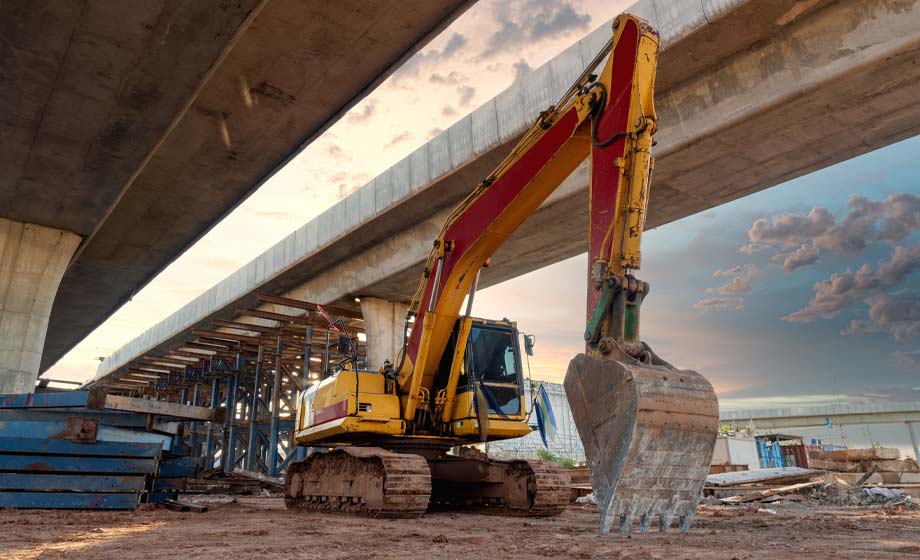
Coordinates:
x,y
36,446
103,417
209,442
251,455
182,466
61,464
64,399
70,483
68,500
276,412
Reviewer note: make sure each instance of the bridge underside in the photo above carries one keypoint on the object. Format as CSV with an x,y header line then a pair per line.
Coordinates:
x,y
806,89
136,127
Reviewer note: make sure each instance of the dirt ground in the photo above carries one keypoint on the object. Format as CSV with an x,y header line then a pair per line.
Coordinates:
x,y
256,527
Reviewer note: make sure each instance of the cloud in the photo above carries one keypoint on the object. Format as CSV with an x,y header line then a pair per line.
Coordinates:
x,y
428,58
787,230
398,139
434,132
528,21
835,294
335,152
448,111
895,314
740,282
846,288
907,357
872,395
452,79
805,255
467,93
728,271
454,45
521,69
708,304
890,220
363,112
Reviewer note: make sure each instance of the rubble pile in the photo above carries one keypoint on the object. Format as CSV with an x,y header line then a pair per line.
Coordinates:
x,y
815,487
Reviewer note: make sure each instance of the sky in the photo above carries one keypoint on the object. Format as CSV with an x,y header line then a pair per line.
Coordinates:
x,y
804,294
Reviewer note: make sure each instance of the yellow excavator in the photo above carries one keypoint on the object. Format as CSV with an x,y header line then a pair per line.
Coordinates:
x,y
395,431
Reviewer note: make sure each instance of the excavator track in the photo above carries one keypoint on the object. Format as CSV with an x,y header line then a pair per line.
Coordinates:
x,y
547,488
514,488
367,481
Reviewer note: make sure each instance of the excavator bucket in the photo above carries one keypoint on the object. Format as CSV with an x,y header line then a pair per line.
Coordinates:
x,y
648,433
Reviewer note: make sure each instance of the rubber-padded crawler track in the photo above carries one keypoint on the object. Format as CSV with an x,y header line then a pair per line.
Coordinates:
x,y
365,481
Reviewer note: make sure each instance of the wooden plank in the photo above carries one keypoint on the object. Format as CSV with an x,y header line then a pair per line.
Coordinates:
x,y
226,336
207,346
760,495
776,475
247,326
163,408
65,464
161,362
69,500
40,446
297,304
71,483
281,317
185,506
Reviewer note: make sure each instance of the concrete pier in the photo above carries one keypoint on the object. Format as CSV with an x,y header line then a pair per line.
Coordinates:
x,y
383,322
33,259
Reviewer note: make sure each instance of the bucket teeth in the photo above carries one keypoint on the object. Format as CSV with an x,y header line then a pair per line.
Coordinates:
x,y
648,433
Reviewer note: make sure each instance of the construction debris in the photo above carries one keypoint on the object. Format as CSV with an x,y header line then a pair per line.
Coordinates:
x,y
218,481
762,494
779,475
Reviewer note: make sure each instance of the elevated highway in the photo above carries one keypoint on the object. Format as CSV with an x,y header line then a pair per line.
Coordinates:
x,y
750,94
836,415
130,128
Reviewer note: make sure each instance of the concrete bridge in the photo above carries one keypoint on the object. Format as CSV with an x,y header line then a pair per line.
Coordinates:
x,y
750,94
838,415
130,128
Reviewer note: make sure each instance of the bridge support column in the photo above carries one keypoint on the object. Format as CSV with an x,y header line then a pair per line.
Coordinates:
x,y
33,259
913,439
383,324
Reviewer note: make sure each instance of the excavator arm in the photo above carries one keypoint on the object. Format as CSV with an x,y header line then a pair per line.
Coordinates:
x,y
610,117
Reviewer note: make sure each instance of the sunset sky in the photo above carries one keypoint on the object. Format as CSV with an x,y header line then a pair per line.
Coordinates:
x,y
807,293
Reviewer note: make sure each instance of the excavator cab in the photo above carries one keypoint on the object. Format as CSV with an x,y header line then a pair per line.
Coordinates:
x,y
488,395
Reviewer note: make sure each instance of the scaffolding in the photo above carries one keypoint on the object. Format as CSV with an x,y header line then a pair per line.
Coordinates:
x,y
253,367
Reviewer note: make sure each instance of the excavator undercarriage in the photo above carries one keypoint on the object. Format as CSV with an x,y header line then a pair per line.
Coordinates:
x,y
376,482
